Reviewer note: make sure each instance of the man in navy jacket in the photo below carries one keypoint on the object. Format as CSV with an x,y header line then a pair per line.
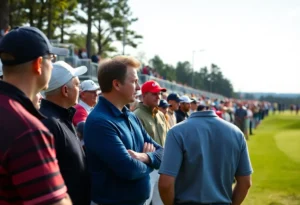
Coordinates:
x,y
120,153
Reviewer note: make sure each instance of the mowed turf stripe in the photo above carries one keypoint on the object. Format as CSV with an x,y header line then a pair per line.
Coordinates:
x,y
276,177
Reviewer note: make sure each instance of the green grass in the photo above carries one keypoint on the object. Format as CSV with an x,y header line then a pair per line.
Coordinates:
x,y
275,157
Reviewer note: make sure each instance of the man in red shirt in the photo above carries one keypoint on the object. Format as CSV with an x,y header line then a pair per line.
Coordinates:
x,y
89,91
29,172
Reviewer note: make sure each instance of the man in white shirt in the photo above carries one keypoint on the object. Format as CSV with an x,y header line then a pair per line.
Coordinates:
x,y
89,91
250,119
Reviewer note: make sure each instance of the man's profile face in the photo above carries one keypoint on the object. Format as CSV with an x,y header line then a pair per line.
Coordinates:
x,y
129,88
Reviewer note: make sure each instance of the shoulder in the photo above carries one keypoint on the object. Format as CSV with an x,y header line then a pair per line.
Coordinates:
x,y
51,120
99,114
230,128
133,116
16,114
161,115
80,111
141,114
54,125
78,107
99,120
138,111
48,111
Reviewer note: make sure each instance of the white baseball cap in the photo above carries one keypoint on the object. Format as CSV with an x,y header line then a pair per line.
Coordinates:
x,y
1,72
185,99
63,73
88,85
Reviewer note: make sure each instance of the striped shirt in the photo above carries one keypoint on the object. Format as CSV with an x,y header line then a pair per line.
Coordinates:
x,y
29,172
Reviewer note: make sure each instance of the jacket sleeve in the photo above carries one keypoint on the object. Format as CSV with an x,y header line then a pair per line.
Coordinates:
x,y
102,139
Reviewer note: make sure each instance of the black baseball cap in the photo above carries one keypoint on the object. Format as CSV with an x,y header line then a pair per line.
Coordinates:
x,y
194,100
173,96
163,104
26,44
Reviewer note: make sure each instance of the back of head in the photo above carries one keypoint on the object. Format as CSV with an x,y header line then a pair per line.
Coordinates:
x,y
62,73
24,51
64,83
201,108
25,44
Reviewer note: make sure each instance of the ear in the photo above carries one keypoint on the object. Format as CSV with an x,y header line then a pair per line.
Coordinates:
x,y
37,65
65,91
116,85
81,94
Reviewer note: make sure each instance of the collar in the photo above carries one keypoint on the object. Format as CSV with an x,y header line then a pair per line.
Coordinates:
x,y
145,108
181,112
207,113
19,96
114,110
57,110
171,112
85,106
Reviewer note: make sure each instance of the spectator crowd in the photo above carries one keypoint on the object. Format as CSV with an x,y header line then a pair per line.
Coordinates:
x,y
117,143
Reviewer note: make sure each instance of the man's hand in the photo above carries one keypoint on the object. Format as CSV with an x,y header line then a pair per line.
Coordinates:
x,y
143,157
148,147
139,156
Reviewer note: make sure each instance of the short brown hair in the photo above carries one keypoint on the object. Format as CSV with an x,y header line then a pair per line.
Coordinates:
x,y
115,69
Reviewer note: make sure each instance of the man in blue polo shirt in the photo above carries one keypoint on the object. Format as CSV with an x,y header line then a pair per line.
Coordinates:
x,y
120,153
203,155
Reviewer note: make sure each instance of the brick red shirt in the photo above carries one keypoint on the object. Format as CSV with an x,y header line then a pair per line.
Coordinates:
x,y
29,172
80,115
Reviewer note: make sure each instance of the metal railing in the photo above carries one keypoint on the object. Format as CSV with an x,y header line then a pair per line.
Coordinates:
x,y
170,86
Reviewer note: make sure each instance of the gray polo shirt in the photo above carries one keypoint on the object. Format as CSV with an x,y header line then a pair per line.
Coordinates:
x,y
204,153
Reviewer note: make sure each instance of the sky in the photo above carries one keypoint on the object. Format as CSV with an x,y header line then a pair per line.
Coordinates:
x,y
256,43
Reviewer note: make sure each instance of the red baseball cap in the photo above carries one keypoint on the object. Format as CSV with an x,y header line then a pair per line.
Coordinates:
x,y
152,87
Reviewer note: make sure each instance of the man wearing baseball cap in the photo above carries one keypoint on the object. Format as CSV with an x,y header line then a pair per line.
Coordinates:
x,y
155,124
26,56
60,97
194,105
89,91
173,100
164,108
184,108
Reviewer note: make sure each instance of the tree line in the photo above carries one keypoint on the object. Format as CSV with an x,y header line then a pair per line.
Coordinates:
x,y
110,18
111,21
208,79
